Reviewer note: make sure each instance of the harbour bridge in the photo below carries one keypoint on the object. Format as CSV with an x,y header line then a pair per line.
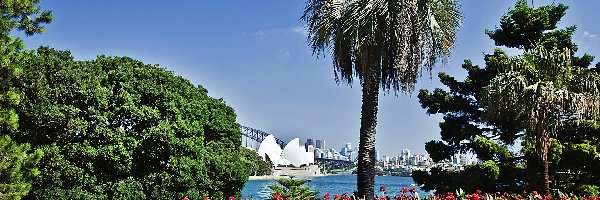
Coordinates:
x,y
252,138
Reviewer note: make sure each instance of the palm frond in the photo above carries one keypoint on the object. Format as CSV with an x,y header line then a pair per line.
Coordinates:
x,y
392,38
543,86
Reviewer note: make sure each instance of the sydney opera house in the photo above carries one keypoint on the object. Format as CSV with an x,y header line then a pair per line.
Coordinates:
x,y
292,160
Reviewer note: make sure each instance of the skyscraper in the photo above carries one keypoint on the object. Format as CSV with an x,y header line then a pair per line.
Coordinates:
x,y
320,144
309,142
405,154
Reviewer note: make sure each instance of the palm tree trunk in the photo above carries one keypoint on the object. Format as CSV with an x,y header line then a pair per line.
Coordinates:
x,y
546,176
366,153
544,144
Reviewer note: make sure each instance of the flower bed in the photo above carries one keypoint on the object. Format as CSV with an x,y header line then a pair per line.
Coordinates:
x,y
411,194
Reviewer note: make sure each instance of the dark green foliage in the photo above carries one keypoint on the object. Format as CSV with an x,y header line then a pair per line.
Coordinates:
x,y
463,113
487,149
24,16
472,178
258,166
115,128
293,189
466,128
525,26
438,150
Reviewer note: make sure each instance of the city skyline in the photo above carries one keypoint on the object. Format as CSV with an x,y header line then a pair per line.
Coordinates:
x,y
255,56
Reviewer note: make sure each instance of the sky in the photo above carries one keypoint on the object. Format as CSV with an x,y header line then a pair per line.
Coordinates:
x,y
255,55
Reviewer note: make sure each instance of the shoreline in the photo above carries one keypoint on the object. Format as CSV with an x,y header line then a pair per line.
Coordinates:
x,y
276,177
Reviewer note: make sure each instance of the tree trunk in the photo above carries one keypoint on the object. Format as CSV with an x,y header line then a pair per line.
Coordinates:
x,y
546,176
366,153
545,147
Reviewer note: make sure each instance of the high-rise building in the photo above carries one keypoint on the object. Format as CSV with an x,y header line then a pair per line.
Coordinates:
x,y
309,142
344,151
376,155
320,144
353,155
310,148
405,154
318,153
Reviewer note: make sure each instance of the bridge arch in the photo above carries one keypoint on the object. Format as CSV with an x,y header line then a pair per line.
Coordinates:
x,y
252,137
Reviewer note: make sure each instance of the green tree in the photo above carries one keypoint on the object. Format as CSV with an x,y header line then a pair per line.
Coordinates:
x,y
542,86
383,44
23,16
116,128
292,189
17,166
259,167
464,110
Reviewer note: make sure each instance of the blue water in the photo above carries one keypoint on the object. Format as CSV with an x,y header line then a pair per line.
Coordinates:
x,y
334,184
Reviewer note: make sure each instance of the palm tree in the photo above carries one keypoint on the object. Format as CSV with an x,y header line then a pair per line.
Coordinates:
x,y
543,86
384,44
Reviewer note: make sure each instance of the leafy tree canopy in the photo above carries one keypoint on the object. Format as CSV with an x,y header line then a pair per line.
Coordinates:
x,y
17,168
18,165
24,16
116,128
466,128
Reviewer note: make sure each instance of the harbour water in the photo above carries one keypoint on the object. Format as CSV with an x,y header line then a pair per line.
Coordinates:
x,y
334,184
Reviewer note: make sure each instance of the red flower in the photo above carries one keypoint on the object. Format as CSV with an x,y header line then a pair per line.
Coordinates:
x,y
277,196
450,196
231,198
473,197
184,198
404,190
413,190
326,196
478,192
382,188
534,193
345,196
336,196
206,198
546,197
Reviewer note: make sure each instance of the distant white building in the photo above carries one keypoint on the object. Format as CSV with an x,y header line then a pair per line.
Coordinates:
x,y
405,154
292,154
318,153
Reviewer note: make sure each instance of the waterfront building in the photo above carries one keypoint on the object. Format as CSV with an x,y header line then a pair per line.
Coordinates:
x,y
292,154
292,160
318,153
353,156
344,151
464,159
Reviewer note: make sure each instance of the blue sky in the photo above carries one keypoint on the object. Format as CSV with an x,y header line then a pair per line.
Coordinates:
x,y
255,56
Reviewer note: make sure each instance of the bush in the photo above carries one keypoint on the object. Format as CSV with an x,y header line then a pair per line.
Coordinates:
x,y
116,128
